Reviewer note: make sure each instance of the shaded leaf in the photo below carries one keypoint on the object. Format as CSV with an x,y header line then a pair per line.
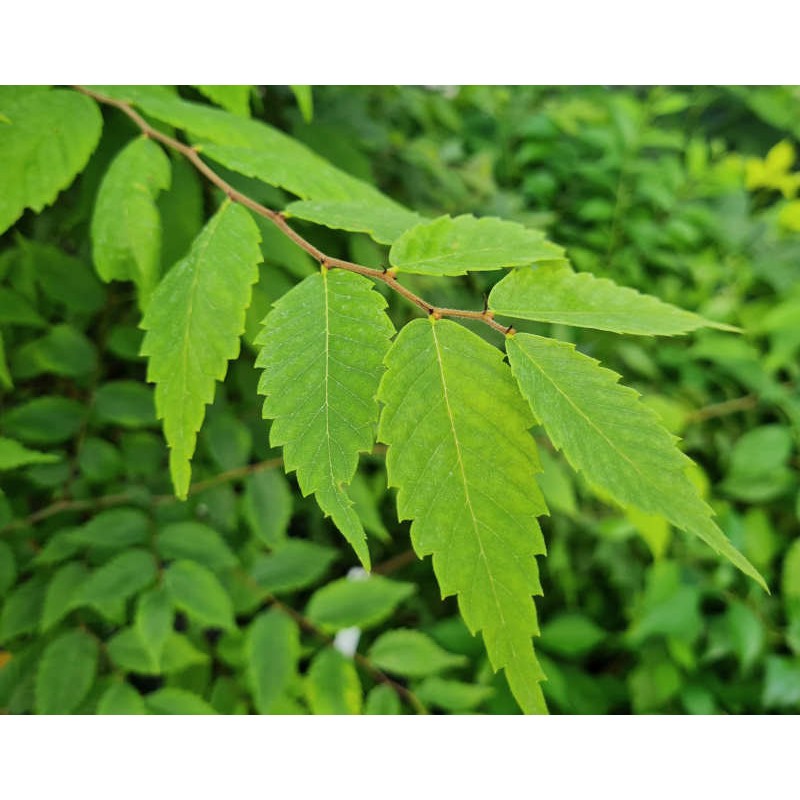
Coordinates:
x,y
197,591
66,673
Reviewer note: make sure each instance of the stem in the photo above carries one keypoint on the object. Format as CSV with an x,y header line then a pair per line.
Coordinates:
x,y
385,276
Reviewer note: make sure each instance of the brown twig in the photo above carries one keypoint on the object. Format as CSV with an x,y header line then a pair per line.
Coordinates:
x,y
385,276
746,403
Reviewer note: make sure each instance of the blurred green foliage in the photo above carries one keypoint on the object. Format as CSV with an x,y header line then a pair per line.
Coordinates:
x,y
690,194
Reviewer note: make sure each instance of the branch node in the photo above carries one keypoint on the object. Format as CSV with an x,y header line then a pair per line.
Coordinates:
x,y
434,312
510,330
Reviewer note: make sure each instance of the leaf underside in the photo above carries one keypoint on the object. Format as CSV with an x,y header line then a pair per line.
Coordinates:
x,y
612,438
193,322
322,354
464,463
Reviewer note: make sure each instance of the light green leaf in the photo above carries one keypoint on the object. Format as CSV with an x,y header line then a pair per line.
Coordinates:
x,y
272,650
128,651
14,455
412,654
790,574
267,506
616,441
195,542
193,323
296,565
66,673
455,696
153,621
383,700
384,223
553,293
235,99
464,464
5,375
197,591
455,246
305,101
332,684
322,351
126,226
119,579
177,701
121,698
363,603
46,142
63,593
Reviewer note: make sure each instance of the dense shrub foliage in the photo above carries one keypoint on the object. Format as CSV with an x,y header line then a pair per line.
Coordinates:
x,y
161,555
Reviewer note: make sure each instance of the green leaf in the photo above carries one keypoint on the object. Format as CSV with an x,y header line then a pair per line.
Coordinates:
x,y
363,603
63,594
45,420
119,579
272,650
232,98
758,468
228,441
14,455
197,591
126,226
332,684
22,609
121,698
115,529
454,696
66,673
790,574
153,622
464,464
16,309
553,293
447,246
782,683
195,542
384,223
322,351
128,651
412,654
61,351
267,506
571,635
177,701
193,323
125,403
5,375
383,700
46,142
99,460
616,441
296,565
305,101
8,568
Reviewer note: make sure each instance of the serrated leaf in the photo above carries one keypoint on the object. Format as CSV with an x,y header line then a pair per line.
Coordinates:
x,y
463,461
177,701
455,246
296,565
267,506
126,226
14,455
272,650
196,542
46,142
412,654
66,673
62,594
121,698
193,322
554,293
332,684
356,603
235,99
119,579
384,223
322,351
199,593
611,437
153,622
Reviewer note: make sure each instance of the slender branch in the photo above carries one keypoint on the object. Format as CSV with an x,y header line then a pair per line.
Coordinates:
x,y
749,401
277,218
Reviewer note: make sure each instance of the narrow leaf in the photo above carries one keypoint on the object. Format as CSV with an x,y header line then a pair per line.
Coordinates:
x,y
126,226
322,352
613,438
464,464
45,142
305,101
235,99
272,650
193,323
455,246
66,673
554,293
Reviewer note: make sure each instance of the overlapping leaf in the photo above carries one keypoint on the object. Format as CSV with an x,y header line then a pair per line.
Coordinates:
x,y
46,139
322,351
447,246
464,464
554,293
615,440
193,323
126,226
